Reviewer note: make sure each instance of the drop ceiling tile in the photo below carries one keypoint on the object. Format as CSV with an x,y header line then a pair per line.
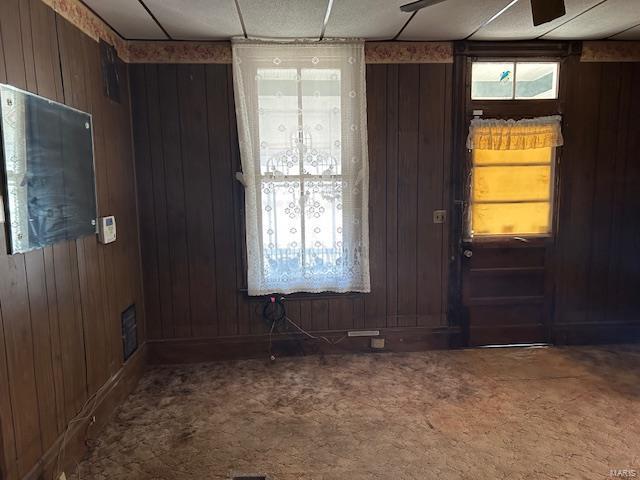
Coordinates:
x,y
283,18
517,22
606,19
630,34
451,20
128,18
371,19
197,19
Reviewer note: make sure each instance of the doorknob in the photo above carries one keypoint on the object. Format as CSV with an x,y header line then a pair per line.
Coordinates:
x,y
468,253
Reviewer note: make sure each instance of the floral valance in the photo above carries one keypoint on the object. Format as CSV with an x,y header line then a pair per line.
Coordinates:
x,y
493,134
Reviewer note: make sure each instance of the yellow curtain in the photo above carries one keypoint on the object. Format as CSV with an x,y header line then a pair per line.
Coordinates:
x,y
493,134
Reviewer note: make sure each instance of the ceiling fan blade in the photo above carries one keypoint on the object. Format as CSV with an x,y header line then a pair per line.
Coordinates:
x,y
547,10
420,4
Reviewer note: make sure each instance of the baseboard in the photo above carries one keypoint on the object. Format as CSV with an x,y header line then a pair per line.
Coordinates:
x,y
498,334
116,390
595,333
193,350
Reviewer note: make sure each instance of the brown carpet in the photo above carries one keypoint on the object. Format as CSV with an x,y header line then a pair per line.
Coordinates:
x,y
544,413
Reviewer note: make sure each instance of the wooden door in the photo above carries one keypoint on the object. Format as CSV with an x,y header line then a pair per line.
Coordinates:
x,y
502,286
506,291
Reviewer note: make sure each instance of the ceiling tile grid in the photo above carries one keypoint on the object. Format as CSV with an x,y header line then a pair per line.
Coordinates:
x,y
128,18
632,33
602,21
283,18
451,20
516,23
196,19
370,19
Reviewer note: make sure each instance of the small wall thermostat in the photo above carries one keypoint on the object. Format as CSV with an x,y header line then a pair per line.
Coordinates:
x,y
107,229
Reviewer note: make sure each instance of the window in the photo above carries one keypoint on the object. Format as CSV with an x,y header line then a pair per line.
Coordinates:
x,y
512,176
302,128
514,80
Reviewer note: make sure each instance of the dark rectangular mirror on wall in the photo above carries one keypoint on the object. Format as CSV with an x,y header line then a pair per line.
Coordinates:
x,y
49,188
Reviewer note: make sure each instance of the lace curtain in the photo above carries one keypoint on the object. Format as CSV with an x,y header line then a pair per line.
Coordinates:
x,y
301,110
492,134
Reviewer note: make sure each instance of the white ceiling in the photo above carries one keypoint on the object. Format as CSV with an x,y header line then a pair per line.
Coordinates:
x,y
283,18
128,18
195,19
371,19
602,21
517,22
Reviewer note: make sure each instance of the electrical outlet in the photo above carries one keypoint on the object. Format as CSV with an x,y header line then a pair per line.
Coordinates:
x,y
439,216
377,343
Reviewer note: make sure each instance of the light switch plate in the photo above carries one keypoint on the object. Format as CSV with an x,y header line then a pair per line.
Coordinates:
x,y
439,216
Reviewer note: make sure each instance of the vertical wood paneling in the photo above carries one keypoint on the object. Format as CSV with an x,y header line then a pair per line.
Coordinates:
x,y
147,223
176,214
27,45
629,300
598,233
376,302
54,329
202,202
8,464
14,301
20,361
42,352
605,169
393,95
65,253
159,197
222,180
616,255
408,161
198,204
429,253
577,172
320,314
60,336
45,51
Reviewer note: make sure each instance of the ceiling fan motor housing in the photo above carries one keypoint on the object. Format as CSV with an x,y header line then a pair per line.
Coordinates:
x,y
544,11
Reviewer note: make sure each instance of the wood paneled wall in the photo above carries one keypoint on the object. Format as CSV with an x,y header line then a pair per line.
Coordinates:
x,y
597,259
191,218
60,306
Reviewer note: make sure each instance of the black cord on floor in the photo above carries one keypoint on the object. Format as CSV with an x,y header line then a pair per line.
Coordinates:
x,y
274,314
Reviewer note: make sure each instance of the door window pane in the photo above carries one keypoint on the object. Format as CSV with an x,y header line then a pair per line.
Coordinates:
x,y
512,157
514,80
509,183
536,80
492,80
511,192
511,218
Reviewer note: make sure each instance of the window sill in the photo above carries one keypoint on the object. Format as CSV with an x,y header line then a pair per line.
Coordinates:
x,y
304,295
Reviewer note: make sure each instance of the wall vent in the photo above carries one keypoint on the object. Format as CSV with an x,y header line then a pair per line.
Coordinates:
x,y
110,73
129,332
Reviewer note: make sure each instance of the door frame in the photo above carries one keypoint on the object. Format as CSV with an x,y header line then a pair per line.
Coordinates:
x,y
465,53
